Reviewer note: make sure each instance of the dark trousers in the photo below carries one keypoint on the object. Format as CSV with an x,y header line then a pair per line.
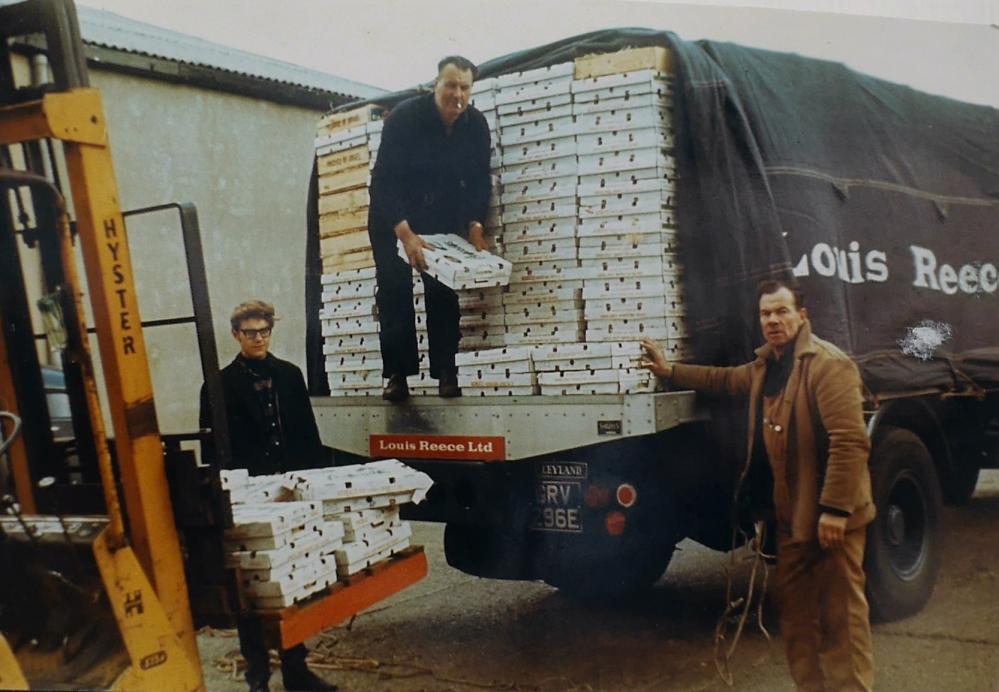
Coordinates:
x,y
256,655
398,319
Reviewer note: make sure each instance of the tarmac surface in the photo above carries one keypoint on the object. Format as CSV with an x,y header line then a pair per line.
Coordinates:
x,y
452,631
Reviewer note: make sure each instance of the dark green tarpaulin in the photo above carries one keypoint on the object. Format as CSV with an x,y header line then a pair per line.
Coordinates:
x,y
884,200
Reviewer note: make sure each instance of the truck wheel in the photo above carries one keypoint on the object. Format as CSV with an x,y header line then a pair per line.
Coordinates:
x,y
959,481
903,541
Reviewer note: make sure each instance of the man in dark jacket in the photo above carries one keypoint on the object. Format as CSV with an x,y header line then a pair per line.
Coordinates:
x,y
431,176
807,433
272,430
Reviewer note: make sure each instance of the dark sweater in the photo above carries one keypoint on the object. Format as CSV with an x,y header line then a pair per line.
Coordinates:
x,y
284,438
436,181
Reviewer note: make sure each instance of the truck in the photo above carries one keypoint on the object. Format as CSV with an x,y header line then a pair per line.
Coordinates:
x,y
882,201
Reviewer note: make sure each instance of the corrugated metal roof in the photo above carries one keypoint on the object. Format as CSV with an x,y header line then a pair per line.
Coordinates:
x,y
102,28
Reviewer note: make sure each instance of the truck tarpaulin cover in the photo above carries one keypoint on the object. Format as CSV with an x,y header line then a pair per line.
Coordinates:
x,y
884,201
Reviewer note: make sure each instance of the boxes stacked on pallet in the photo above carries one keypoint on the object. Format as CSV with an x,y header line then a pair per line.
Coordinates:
x,y
340,521
284,551
627,231
365,499
538,176
497,372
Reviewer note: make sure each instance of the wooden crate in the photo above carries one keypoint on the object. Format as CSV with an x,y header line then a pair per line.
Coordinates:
x,y
341,244
628,60
335,224
360,259
340,161
344,200
332,122
358,176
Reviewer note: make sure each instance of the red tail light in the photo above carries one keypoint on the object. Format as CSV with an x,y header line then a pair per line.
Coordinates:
x,y
614,523
626,495
596,497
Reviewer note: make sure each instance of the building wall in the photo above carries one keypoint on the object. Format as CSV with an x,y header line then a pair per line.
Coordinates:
x,y
245,164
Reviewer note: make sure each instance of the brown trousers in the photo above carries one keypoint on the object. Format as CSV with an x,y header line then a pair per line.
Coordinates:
x,y
823,614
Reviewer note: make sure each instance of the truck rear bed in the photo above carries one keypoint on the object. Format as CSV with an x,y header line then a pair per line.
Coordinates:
x,y
494,428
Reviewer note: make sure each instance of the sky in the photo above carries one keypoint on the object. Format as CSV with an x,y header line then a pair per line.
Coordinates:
x,y
940,46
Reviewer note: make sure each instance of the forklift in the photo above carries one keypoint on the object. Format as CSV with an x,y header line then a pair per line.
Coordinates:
x,y
112,545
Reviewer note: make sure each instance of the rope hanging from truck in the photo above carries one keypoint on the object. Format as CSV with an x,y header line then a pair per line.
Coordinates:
x,y
755,598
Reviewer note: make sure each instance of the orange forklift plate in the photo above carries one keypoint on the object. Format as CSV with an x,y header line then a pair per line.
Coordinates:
x,y
293,625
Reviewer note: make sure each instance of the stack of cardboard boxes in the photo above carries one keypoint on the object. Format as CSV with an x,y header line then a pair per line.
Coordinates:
x,y
295,534
583,208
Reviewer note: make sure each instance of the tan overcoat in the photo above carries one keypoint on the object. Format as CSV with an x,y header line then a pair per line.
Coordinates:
x,y
817,441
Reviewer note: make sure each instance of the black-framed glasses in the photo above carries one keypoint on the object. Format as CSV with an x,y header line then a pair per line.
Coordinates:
x,y
252,334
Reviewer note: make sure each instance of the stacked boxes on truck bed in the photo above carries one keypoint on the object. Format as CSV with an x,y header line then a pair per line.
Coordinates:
x,y
582,207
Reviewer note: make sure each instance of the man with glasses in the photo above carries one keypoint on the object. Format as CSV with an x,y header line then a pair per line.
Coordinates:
x,y
431,176
272,430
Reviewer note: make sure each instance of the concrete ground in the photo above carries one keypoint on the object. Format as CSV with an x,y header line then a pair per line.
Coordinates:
x,y
456,632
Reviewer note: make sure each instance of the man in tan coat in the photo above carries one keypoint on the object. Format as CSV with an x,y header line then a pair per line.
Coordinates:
x,y
806,419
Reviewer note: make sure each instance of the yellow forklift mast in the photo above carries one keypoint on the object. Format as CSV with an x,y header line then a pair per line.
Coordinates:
x,y
137,550
112,544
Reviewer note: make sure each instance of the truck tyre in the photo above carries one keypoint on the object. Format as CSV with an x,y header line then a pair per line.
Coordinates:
x,y
959,481
903,541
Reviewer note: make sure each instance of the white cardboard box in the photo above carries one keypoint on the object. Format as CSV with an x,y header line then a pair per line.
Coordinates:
x,y
654,138
530,152
540,169
453,261
623,118
541,189
630,159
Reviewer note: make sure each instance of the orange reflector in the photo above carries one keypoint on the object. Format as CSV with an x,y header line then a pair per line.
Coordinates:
x,y
614,523
626,495
596,497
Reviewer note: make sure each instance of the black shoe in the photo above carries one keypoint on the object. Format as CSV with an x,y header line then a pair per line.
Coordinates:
x,y
304,679
397,389
447,385
258,686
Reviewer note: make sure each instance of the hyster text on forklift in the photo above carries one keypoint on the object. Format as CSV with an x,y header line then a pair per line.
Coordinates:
x,y
879,198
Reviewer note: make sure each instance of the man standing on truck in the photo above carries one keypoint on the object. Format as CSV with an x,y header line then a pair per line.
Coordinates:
x,y
431,176
272,429
806,420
